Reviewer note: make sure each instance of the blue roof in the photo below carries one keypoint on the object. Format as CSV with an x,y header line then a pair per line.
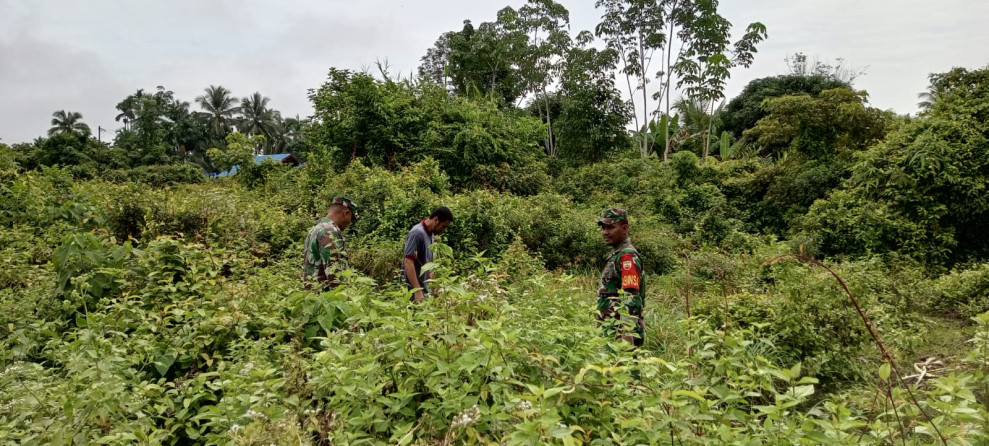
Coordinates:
x,y
277,157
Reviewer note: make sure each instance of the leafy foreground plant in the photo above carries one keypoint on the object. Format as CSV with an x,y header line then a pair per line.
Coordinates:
x,y
183,344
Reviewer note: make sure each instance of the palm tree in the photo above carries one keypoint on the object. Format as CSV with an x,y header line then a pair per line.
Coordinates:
x,y
291,134
927,99
699,118
221,107
258,119
68,122
130,108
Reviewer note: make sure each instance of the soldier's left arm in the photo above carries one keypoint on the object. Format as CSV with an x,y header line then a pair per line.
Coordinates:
x,y
631,271
630,265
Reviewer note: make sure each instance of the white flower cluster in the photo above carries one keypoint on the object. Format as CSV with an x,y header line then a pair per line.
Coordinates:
x,y
235,428
247,368
312,411
256,415
467,417
12,369
524,405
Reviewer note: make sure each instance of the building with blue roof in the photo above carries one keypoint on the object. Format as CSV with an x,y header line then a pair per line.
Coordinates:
x,y
284,158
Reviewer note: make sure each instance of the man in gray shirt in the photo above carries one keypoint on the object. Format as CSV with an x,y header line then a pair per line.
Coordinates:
x,y
417,252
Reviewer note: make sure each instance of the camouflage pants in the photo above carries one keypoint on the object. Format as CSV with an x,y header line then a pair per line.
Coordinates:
x,y
610,318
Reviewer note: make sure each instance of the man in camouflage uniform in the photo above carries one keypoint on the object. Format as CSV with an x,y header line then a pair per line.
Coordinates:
x,y
325,250
622,283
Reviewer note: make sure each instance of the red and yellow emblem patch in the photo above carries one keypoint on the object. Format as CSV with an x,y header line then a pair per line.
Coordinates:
x,y
630,275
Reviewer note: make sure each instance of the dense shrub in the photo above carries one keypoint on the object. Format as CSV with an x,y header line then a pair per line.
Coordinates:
x,y
805,313
964,292
158,175
923,187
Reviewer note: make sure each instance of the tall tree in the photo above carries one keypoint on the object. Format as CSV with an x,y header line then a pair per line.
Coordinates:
x,y
68,122
837,70
129,108
433,65
220,104
633,29
187,132
743,111
159,127
258,119
547,23
593,114
481,60
292,135
709,55
926,100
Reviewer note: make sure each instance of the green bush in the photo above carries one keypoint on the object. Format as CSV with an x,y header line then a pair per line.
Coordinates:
x,y
158,175
964,292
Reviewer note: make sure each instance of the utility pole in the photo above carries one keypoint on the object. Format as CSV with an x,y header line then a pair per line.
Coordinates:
x,y
99,133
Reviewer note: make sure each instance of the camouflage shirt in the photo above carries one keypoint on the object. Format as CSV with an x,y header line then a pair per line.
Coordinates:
x,y
622,271
324,254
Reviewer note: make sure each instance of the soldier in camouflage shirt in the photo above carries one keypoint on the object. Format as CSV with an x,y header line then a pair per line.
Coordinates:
x,y
622,283
325,250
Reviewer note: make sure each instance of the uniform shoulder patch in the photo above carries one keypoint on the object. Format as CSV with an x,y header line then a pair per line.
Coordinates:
x,y
630,273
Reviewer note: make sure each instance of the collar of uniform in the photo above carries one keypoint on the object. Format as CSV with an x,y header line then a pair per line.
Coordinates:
x,y
622,245
330,222
426,228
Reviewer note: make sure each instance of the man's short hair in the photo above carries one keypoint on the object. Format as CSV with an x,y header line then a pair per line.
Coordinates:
x,y
442,213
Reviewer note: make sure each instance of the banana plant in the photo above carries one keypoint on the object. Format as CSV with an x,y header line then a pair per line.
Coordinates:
x,y
655,133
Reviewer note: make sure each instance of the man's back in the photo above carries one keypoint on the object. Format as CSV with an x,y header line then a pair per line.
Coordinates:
x,y
324,253
417,243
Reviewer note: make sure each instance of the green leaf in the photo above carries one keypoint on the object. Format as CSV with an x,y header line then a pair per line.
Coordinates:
x,y
818,437
803,391
884,371
691,394
559,431
430,266
163,362
795,371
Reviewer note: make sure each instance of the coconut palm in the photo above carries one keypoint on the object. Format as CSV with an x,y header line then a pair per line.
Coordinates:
x,y
221,107
258,119
68,122
130,108
927,99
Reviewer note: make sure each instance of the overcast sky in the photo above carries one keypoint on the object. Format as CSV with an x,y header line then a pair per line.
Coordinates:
x,y
86,56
